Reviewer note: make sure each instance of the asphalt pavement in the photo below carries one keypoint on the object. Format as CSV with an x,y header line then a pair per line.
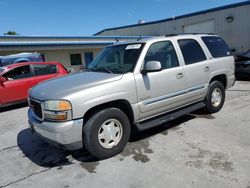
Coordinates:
x,y
197,150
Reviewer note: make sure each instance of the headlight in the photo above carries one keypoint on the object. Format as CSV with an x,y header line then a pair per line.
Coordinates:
x,y
57,110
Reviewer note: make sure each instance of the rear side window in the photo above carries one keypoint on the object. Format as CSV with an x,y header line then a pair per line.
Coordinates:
x,y
42,69
216,46
18,73
192,51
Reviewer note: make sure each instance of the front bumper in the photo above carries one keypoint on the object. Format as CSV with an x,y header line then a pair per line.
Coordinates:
x,y
66,135
230,81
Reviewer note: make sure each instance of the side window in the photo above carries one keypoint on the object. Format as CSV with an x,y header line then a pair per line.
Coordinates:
x,y
216,46
191,51
42,69
163,52
18,73
75,59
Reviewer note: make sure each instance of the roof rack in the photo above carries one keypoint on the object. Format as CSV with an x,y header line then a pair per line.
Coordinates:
x,y
177,34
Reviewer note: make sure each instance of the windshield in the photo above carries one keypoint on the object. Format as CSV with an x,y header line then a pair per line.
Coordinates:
x,y
1,69
117,59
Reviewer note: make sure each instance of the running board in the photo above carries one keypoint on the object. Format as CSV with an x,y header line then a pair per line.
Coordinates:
x,y
147,124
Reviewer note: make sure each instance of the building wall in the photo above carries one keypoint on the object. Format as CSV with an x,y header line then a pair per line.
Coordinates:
x,y
236,33
59,48
62,56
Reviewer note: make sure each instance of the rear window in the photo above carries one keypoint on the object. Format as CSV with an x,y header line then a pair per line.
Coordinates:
x,y
192,51
42,69
216,46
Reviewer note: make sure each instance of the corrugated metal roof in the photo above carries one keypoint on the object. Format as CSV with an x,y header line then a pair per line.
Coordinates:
x,y
69,37
17,44
182,16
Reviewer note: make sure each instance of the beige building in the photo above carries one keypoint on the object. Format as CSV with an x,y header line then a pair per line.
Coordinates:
x,y
231,22
75,52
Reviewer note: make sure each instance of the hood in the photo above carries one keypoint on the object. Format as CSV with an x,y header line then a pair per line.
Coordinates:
x,y
61,87
245,56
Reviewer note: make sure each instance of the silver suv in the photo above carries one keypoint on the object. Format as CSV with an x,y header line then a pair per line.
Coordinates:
x,y
141,84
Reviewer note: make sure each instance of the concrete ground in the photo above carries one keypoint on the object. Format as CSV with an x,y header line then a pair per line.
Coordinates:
x,y
197,150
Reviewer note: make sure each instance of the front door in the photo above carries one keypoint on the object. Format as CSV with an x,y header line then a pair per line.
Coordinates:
x,y
19,80
161,91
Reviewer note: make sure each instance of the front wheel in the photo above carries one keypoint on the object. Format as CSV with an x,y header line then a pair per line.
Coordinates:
x,y
215,97
106,133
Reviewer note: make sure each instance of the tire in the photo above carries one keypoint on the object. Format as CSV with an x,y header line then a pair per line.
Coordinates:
x,y
215,97
106,133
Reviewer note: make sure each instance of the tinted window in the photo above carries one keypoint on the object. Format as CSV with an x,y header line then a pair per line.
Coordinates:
x,y
216,46
7,61
191,51
75,59
163,52
41,69
18,73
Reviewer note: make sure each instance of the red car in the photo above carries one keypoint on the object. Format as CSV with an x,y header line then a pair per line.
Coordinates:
x,y
16,79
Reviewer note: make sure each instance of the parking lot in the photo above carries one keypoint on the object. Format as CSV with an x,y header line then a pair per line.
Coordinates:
x,y
197,150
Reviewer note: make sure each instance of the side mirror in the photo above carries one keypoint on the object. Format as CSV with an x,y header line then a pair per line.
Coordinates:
x,y
151,66
2,80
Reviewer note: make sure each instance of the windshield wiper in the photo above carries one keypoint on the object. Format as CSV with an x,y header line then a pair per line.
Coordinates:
x,y
103,68
89,69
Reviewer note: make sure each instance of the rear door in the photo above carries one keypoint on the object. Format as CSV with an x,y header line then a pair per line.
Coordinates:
x,y
19,80
197,68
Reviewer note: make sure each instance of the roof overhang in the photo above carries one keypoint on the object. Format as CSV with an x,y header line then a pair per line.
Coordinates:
x,y
22,43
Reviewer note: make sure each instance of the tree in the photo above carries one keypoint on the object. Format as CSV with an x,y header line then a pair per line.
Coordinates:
x,y
11,33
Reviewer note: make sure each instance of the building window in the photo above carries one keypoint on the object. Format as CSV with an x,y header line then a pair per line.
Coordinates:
x,y
192,51
75,59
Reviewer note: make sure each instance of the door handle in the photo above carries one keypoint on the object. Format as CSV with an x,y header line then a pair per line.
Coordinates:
x,y
206,69
179,75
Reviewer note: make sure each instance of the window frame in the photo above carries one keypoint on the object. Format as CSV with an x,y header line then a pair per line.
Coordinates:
x,y
31,73
203,38
175,52
33,70
196,41
81,60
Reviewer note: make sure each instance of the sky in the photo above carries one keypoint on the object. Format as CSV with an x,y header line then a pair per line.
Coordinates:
x,y
87,17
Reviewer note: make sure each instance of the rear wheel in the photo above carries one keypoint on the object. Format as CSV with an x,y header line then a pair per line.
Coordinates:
x,y
106,133
215,97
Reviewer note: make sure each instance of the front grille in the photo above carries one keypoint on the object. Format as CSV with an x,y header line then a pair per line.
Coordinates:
x,y
37,108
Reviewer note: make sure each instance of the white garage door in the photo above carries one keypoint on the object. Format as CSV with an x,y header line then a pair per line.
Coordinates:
x,y
201,27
